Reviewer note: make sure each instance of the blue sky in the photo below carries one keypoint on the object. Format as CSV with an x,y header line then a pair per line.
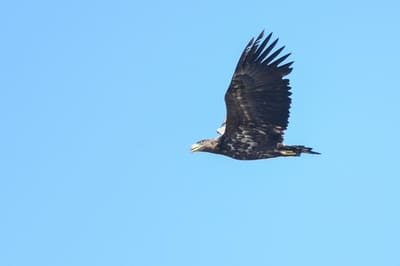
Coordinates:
x,y
101,100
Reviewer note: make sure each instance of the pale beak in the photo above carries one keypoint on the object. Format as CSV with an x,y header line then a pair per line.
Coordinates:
x,y
195,147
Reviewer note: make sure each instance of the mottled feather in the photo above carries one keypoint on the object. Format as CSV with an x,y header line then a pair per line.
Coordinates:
x,y
258,98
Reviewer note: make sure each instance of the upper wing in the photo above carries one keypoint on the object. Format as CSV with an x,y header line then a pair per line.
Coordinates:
x,y
257,100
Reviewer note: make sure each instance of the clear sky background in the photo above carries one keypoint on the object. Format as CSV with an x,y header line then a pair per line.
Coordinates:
x,y
101,100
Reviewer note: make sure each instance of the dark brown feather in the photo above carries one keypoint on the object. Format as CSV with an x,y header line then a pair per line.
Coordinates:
x,y
257,100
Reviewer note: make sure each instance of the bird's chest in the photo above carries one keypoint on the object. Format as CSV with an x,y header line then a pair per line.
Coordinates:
x,y
244,146
248,144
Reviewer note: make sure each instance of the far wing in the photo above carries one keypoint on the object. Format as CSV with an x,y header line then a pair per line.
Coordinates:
x,y
221,129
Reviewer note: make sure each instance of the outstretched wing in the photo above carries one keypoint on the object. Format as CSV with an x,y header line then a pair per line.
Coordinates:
x,y
258,97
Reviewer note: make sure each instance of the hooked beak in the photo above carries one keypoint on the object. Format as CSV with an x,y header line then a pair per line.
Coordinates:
x,y
195,147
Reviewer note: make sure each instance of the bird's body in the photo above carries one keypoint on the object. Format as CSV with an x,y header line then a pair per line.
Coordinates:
x,y
257,103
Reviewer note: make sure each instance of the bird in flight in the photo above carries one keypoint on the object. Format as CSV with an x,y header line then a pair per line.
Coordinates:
x,y
257,103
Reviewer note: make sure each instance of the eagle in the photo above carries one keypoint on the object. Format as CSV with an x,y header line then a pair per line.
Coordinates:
x,y
257,104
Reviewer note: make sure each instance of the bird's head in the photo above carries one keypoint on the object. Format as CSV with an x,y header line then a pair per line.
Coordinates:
x,y
205,145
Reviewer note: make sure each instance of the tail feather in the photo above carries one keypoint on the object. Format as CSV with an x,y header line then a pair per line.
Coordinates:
x,y
309,150
296,150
